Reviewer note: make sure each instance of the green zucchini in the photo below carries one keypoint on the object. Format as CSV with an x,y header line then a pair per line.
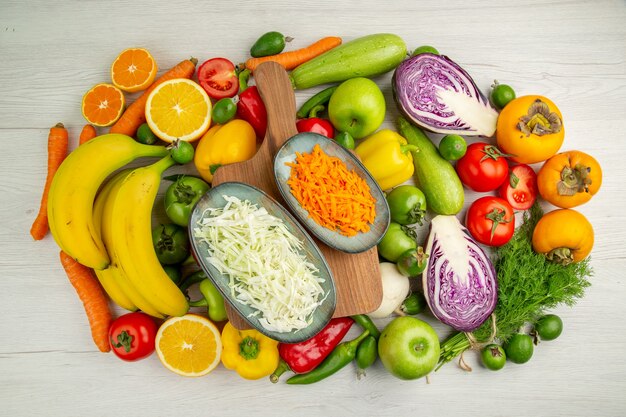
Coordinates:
x,y
434,175
362,57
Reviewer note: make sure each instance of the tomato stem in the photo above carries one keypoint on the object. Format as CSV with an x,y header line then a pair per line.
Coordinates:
x,y
497,216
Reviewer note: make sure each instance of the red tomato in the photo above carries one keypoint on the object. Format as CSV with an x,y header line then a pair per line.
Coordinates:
x,y
132,336
218,78
483,167
491,221
520,189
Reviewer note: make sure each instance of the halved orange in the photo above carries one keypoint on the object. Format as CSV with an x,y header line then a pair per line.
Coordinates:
x,y
178,109
189,345
103,104
133,70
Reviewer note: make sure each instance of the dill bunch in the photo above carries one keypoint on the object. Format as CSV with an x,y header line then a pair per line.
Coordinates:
x,y
528,285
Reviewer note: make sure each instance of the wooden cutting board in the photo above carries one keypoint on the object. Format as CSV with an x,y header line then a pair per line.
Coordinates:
x,y
357,276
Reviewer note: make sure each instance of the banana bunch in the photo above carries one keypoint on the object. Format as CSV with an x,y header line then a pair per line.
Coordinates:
x,y
73,191
112,233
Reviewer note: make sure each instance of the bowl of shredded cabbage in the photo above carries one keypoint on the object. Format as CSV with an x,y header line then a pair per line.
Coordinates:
x,y
263,262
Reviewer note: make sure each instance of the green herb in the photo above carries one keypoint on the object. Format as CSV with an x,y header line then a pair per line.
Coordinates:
x,y
528,284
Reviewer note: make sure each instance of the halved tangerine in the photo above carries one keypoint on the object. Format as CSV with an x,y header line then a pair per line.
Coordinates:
x,y
133,70
103,104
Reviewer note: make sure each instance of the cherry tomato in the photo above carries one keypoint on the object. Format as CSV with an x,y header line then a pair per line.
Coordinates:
x,y
218,78
132,336
483,167
491,221
520,189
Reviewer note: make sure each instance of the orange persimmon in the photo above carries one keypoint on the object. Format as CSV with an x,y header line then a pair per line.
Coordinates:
x,y
530,128
569,179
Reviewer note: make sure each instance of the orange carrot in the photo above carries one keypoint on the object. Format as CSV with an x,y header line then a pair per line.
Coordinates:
x,y
290,60
88,133
134,115
57,151
335,197
93,297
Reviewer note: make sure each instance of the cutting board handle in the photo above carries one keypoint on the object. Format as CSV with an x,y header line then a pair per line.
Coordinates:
x,y
277,94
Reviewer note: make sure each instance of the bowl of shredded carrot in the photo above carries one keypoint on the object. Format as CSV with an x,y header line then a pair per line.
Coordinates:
x,y
332,194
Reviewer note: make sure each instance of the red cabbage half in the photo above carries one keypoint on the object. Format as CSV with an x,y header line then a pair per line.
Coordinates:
x,y
459,281
437,94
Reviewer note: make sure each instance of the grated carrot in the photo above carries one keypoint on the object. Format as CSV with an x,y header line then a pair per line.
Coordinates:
x,y
335,197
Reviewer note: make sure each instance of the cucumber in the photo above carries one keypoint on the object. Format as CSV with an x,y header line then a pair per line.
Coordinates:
x,y
362,57
434,175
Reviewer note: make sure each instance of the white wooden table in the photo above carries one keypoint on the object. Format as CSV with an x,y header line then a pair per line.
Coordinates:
x,y
51,53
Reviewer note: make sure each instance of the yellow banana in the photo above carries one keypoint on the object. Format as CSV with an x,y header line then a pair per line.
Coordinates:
x,y
127,287
131,236
109,277
74,187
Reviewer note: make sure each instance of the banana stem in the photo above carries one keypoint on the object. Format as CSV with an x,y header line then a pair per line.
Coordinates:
x,y
164,164
152,150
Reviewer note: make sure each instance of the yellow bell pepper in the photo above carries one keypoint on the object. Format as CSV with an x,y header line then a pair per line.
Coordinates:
x,y
231,142
250,353
387,156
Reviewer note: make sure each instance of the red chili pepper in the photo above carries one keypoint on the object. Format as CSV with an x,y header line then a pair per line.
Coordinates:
x,y
305,356
250,107
316,124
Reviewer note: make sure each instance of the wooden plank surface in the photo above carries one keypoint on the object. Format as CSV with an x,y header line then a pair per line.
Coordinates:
x,y
357,276
52,52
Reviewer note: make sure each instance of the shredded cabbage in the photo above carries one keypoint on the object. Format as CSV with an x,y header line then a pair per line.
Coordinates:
x,y
264,262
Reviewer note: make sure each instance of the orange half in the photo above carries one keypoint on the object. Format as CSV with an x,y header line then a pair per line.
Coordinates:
x,y
103,104
189,345
133,70
178,109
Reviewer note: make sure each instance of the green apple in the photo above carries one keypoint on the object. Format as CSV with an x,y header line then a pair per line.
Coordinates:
x,y
357,106
409,348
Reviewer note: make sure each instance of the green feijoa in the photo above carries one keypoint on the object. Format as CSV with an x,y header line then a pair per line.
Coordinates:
x,y
425,49
145,135
519,348
452,147
493,357
345,139
270,43
549,327
224,110
501,95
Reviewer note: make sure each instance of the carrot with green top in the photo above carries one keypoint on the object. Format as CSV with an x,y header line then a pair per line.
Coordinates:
x,y
93,298
290,60
135,114
89,132
57,151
